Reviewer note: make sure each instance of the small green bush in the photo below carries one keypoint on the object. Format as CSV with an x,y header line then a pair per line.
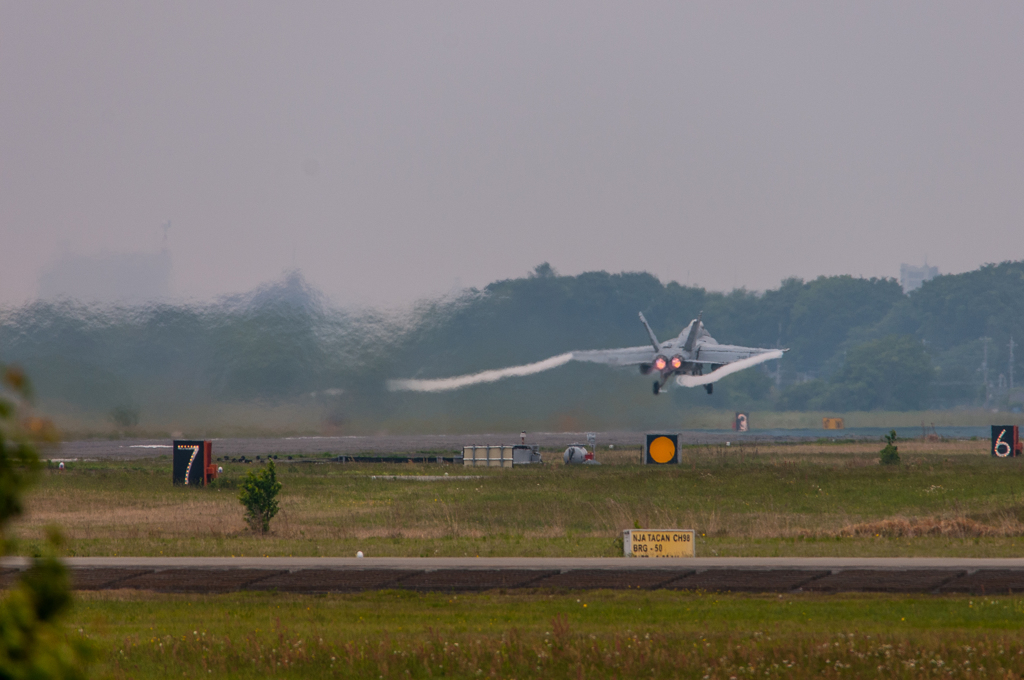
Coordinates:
x,y
259,496
889,456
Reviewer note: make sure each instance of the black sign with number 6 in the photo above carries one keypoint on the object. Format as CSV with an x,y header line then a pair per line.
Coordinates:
x,y
1005,441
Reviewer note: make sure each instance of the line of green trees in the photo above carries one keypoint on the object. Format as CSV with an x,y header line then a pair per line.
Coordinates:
x,y
855,344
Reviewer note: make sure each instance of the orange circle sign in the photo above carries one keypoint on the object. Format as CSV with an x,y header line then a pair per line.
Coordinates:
x,y
662,450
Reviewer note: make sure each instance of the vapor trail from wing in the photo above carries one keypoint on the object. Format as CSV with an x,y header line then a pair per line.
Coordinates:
x,y
445,384
728,369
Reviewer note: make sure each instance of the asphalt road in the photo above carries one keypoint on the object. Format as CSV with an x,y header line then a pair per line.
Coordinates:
x,y
318,575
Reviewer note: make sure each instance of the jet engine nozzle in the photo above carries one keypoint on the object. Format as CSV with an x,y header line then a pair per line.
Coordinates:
x,y
676,362
660,363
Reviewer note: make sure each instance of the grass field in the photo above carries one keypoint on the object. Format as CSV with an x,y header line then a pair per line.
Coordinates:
x,y
601,634
820,499
827,498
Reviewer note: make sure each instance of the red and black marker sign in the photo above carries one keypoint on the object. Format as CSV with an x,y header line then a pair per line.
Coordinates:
x,y
1005,441
193,462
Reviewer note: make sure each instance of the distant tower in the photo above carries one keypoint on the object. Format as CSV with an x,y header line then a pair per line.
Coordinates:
x,y
912,277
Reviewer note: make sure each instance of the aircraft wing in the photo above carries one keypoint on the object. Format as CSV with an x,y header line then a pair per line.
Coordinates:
x,y
707,353
713,353
626,356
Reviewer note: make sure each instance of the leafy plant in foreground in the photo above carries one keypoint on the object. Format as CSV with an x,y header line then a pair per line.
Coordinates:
x,y
32,644
259,496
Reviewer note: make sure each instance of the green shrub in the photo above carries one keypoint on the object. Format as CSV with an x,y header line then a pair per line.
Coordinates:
x,y
889,456
259,496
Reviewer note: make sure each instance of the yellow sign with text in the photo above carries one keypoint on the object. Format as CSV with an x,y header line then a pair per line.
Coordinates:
x,y
659,543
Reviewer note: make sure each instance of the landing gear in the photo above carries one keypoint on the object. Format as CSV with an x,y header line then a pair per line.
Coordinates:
x,y
657,387
710,387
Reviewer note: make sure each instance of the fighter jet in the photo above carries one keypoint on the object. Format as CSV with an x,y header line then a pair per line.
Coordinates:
x,y
683,357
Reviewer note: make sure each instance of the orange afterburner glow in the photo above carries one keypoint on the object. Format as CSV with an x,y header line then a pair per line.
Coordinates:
x,y
677,361
660,363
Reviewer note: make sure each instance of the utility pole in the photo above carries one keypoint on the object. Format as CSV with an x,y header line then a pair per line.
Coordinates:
x,y
984,366
778,364
1011,362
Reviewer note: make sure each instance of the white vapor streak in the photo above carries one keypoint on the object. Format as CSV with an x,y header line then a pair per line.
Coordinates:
x,y
445,384
728,369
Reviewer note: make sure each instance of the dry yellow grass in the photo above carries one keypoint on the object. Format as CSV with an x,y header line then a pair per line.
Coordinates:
x,y
954,527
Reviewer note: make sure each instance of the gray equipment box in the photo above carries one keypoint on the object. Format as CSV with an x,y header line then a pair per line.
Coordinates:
x,y
526,455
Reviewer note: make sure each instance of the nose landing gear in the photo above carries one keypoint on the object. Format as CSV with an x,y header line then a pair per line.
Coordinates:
x,y
657,387
710,387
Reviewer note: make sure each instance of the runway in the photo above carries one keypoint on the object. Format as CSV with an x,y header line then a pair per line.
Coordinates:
x,y
379,444
399,443
347,575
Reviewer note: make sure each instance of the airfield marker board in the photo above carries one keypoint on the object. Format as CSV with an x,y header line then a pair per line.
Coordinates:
x,y
193,462
1005,441
742,422
659,543
662,449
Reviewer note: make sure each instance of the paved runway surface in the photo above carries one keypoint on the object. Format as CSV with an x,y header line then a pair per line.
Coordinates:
x,y
143,448
320,575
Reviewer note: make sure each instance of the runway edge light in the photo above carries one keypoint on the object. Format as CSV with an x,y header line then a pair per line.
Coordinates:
x,y
662,449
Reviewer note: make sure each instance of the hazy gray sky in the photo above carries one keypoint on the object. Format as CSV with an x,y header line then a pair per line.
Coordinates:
x,y
396,150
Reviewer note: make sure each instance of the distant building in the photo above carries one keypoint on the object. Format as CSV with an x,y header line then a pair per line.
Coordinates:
x,y
109,277
912,277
